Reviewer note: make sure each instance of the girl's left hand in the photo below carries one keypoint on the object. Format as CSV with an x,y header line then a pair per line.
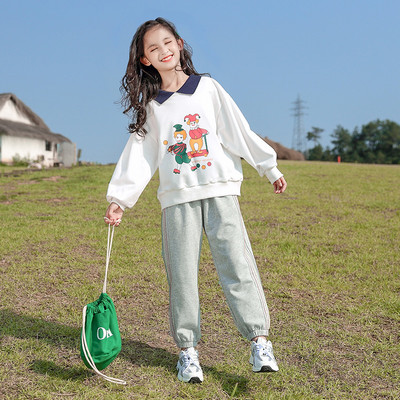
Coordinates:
x,y
113,214
280,185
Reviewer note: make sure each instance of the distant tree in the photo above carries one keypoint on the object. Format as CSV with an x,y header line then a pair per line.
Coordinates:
x,y
358,147
314,135
378,142
316,152
327,155
342,143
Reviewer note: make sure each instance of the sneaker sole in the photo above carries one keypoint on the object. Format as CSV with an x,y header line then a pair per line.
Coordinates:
x,y
266,368
194,379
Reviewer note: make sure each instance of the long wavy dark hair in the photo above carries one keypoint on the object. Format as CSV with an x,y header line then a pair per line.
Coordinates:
x,y
142,83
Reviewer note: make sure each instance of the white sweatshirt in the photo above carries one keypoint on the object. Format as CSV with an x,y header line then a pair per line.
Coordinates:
x,y
196,137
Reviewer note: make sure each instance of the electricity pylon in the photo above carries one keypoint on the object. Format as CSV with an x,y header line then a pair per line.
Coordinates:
x,y
299,136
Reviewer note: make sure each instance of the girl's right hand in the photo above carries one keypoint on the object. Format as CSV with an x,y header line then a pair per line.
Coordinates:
x,y
113,214
280,185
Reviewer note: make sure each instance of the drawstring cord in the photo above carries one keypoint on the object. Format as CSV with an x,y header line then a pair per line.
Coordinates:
x,y
109,246
85,347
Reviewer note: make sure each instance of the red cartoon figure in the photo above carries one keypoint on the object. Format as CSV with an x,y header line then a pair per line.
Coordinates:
x,y
179,149
196,136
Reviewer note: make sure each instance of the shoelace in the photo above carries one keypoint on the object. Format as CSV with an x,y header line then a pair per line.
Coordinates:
x,y
262,350
190,359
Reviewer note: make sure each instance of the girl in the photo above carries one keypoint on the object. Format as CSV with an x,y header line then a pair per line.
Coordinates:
x,y
162,89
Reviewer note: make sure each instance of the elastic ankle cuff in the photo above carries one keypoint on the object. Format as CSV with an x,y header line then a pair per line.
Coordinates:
x,y
183,345
254,334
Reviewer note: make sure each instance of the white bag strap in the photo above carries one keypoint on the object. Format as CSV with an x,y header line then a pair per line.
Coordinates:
x,y
85,347
110,237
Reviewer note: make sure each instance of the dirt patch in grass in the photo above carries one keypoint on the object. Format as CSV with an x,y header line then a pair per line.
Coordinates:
x,y
54,178
6,202
28,182
7,194
57,200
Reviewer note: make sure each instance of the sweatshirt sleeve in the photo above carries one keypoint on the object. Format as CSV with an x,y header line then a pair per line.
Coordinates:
x,y
135,168
237,137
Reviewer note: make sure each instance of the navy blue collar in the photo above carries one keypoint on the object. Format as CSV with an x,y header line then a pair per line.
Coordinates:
x,y
189,87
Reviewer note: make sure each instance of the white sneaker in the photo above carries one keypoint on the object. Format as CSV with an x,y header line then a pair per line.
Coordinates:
x,y
262,356
188,366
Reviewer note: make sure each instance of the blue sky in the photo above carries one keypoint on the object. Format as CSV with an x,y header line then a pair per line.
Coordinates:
x,y
65,60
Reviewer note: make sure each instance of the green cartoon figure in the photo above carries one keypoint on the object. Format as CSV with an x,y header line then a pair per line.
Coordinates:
x,y
179,149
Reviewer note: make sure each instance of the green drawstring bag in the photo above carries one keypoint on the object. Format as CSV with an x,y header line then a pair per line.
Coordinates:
x,y
101,333
100,337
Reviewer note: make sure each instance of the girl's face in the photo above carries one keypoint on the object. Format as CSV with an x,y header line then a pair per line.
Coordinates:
x,y
161,49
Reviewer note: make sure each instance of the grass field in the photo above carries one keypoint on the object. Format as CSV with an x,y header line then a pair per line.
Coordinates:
x,y
328,254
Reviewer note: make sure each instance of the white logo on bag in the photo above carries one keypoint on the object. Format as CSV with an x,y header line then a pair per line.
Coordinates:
x,y
103,333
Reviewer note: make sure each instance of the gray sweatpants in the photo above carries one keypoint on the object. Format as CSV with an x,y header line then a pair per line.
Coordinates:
x,y
182,234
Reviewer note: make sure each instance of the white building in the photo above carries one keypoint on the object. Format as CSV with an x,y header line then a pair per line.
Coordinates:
x,y
25,136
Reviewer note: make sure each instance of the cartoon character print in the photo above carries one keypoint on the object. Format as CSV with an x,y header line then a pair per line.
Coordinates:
x,y
197,135
179,149
197,157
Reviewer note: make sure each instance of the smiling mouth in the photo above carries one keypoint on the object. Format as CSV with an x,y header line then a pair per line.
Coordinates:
x,y
166,59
